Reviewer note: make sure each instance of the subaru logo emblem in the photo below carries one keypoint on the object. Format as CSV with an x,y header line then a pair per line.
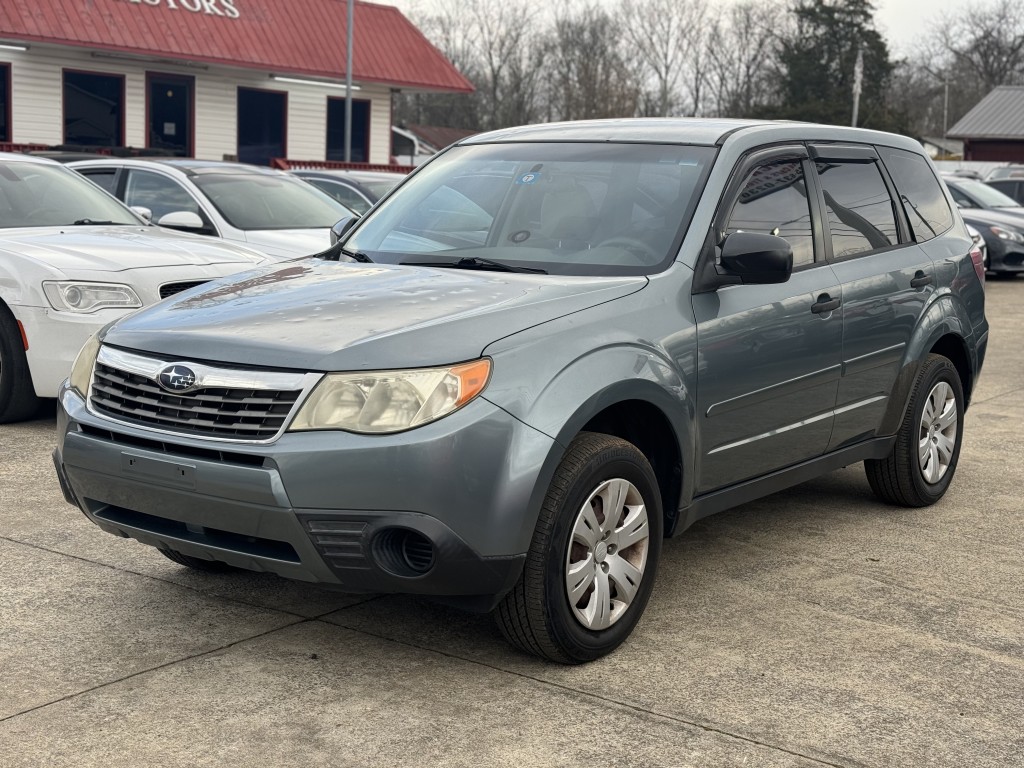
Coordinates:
x,y
177,378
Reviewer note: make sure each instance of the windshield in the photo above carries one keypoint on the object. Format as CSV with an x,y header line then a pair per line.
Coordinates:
x,y
257,201
988,196
44,195
576,209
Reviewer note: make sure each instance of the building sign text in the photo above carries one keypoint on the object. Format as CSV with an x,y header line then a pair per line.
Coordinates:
x,y
224,8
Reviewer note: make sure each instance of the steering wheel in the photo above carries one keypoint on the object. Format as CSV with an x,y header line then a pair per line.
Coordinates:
x,y
638,248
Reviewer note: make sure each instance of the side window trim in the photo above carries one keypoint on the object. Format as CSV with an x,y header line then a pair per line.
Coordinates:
x,y
861,154
747,164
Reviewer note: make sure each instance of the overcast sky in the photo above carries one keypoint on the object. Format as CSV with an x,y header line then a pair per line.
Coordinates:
x,y
902,21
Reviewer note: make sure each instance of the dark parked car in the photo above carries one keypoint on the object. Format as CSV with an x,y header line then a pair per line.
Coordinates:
x,y
970,194
357,190
1004,237
507,394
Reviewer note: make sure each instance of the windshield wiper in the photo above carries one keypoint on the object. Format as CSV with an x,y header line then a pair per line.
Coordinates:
x,y
89,222
476,262
357,256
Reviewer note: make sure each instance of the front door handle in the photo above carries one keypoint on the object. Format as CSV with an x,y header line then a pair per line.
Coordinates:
x,y
825,303
921,280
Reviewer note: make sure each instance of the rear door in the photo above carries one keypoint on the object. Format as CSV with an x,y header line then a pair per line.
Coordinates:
x,y
769,355
886,281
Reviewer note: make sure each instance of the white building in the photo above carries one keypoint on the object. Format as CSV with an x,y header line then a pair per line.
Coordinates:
x,y
213,79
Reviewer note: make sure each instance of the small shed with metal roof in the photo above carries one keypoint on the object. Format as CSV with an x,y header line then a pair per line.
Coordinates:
x,y
993,131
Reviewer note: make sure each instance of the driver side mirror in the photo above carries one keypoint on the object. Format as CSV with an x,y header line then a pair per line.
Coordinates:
x,y
746,258
185,220
757,259
341,227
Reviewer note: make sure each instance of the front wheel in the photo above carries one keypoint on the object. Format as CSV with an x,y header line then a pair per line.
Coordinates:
x,y
591,565
18,399
921,465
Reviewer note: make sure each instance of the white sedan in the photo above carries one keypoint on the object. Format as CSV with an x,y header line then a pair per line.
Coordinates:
x,y
263,208
72,259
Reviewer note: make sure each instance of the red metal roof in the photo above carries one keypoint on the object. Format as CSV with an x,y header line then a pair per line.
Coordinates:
x,y
288,37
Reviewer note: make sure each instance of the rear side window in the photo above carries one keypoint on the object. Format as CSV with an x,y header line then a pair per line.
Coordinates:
x,y
773,201
927,210
860,211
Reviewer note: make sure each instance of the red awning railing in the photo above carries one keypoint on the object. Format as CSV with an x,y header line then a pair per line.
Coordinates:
x,y
285,164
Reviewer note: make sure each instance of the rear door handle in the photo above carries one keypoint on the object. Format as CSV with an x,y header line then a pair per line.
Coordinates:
x,y
921,280
825,303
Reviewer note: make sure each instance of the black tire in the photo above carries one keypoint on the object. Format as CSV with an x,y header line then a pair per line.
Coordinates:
x,y
536,616
197,563
899,479
18,399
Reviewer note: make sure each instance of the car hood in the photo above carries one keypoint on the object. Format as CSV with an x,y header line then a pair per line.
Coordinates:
x,y
289,243
315,315
115,249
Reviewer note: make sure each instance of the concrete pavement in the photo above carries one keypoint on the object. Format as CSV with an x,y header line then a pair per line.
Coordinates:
x,y
816,627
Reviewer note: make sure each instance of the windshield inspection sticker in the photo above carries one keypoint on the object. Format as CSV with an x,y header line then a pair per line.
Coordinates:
x,y
528,178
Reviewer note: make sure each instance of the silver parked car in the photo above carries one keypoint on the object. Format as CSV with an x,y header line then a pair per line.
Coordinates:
x,y
548,350
263,208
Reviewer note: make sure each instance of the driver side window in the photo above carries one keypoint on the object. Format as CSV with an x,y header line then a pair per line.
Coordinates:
x,y
773,201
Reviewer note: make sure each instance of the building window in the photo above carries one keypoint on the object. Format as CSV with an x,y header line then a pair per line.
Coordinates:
x,y
5,102
93,109
262,118
360,130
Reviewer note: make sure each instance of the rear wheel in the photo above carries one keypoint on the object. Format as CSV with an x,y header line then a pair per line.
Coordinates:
x,y
921,465
18,399
197,563
591,565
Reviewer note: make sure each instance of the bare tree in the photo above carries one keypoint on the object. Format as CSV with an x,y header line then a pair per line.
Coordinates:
x,y
499,47
588,74
665,37
742,50
985,41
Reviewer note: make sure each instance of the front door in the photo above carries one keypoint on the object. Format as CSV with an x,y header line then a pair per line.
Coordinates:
x,y
169,107
770,355
262,117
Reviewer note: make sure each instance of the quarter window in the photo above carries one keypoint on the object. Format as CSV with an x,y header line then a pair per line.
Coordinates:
x,y
927,209
773,201
105,178
859,209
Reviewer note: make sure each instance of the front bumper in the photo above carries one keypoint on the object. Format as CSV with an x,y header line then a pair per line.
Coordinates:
x,y
54,340
326,507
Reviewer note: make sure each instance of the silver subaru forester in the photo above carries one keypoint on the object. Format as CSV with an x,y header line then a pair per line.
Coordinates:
x,y
548,349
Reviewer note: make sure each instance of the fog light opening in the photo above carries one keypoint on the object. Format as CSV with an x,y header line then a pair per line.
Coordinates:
x,y
403,552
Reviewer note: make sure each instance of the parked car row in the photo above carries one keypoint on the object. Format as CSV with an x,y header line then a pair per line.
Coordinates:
x,y
997,218
76,255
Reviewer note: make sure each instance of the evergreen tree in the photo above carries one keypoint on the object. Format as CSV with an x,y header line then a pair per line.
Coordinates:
x,y
817,58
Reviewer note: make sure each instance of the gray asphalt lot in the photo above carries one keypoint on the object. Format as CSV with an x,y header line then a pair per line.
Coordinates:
x,y
816,627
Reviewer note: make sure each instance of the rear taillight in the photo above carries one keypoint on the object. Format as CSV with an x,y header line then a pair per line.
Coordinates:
x,y
979,263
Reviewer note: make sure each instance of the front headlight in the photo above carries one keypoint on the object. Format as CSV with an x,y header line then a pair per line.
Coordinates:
x,y
1007,234
74,296
81,371
390,401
